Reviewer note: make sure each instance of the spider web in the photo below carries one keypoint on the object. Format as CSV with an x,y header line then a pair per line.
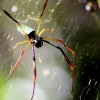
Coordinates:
x,y
68,21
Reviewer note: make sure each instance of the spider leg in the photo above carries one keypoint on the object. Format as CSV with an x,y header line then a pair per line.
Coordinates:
x,y
41,16
15,66
34,70
60,41
9,15
67,59
14,20
45,29
18,44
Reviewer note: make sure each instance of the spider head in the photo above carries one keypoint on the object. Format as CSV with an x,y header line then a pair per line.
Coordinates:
x,y
38,43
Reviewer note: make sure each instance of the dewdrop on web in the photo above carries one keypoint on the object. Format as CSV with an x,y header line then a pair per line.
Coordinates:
x,y
84,1
14,9
89,6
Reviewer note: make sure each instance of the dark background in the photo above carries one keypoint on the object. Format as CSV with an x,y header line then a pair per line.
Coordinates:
x,y
70,22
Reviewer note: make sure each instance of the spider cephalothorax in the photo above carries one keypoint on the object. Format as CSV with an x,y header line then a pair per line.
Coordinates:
x,y
35,39
39,42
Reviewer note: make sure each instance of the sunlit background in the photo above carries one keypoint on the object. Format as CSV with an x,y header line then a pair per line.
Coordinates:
x,y
77,23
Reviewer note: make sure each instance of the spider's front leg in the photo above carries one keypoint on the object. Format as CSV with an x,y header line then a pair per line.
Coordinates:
x,y
34,70
41,15
45,29
61,42
67,59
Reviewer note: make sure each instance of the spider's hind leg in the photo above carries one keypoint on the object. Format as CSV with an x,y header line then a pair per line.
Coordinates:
x,y
34,70
16,65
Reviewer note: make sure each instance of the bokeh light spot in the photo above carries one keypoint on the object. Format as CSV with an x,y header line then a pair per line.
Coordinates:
x,y
14,8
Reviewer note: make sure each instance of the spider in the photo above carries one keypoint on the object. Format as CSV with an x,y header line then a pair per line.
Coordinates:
x,y
35,40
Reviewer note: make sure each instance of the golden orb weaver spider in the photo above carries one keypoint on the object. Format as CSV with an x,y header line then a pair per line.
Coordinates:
x,y
34,39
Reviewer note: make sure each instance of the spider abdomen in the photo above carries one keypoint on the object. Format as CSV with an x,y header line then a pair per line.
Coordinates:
x,y
31,35
24,29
